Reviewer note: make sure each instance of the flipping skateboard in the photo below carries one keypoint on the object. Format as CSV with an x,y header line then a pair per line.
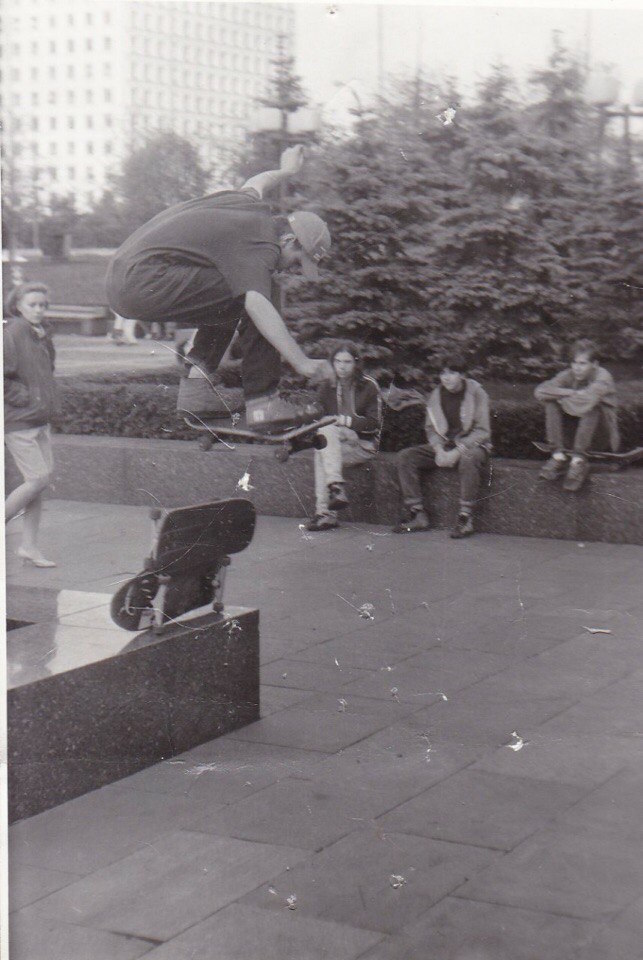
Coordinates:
x,y
287,442
616,461
187,564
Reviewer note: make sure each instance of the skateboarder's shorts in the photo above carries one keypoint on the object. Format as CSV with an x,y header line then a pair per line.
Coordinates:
x,y
31,450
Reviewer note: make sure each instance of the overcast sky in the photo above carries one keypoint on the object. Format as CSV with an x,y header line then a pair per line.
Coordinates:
x,y
337,44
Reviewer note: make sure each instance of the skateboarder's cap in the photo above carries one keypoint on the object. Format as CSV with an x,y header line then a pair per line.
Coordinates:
x,y
314,237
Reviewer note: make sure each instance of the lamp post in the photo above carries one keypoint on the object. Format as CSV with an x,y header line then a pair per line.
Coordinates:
x,y
602,92
289,126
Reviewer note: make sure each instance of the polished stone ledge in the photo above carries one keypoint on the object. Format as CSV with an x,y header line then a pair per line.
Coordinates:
x,y
175,473
89,703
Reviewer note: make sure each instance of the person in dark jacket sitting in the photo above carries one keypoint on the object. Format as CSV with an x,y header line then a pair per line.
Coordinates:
x,y
29,400
353,439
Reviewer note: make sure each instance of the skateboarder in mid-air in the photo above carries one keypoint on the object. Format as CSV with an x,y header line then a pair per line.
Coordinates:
x,y
209,263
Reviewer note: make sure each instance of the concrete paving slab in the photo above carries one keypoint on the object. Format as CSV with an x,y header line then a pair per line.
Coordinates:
x,y
302,813
244,933
28,883
355,880
274,699
615,805
485,809
391,768
422,678
614,710
224,770
622,937
309,675
32,938
387,644
94,830
567,870
167,887
325,723
466,930
586,761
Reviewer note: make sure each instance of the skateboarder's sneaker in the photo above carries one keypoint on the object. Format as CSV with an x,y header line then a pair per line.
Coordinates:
x,y
322,521
337,499
553,469
463,527
200,397
274,414
416,523
576,475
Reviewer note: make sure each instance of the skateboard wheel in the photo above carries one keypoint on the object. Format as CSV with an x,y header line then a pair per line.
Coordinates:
x,y
226,561
282,454
217,606
155,513
205,443
319,441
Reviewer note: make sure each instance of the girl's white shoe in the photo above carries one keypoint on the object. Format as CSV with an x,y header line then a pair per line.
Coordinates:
x,y
34,559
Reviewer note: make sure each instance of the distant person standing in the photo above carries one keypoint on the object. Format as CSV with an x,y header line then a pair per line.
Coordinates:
x,y
29,401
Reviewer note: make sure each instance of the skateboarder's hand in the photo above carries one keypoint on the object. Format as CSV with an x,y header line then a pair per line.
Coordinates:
x,y
292,159
316,371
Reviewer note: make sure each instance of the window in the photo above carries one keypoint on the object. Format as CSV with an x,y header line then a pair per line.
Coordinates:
x,y
71,96
34,99
108,120
89,96
70,70
53,147
52,73
70,46
53,123
34,73
71,172
107,43
90,148
52,173
70,123
89,44
108,96
71,147
34,123
88,18
52,46
90,121
107,148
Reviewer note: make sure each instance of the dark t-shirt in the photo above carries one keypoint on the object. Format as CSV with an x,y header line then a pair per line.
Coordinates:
x,y
451,403
231,234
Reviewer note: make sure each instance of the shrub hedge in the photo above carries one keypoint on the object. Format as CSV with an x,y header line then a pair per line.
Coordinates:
x,y
149,410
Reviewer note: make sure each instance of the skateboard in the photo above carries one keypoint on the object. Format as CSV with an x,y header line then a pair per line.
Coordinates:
x,y
187,564
616,461
286,442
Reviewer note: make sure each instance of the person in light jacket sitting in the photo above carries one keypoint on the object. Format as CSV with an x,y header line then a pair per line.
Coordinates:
x,y
577,401
459,437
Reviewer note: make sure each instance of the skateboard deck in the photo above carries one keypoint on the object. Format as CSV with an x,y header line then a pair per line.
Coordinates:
x,y
624,459
186,568
286,442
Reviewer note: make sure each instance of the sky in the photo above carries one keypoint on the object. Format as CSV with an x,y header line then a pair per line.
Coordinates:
x,y
337,43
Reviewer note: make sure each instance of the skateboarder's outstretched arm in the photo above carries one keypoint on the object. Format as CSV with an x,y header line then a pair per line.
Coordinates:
x,y
270,325
291,162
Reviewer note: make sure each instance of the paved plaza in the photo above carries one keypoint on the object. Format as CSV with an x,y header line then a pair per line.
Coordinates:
x,y
448,765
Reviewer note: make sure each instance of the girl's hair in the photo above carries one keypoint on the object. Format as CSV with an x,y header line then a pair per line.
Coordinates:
x,y
347,346
17,293
586,348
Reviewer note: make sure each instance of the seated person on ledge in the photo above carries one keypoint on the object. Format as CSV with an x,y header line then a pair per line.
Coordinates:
x,y
459,435
577,400
349,441
209,263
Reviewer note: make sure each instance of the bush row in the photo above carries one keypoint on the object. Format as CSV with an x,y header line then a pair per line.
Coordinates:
x,y
149,410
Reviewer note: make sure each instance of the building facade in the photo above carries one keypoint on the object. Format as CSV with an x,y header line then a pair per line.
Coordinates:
x,y
85,81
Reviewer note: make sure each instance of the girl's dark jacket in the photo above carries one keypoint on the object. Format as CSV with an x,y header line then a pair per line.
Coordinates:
x,y
29,386
364,405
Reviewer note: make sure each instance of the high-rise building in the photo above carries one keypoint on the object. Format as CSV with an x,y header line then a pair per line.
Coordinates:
x,y
84,81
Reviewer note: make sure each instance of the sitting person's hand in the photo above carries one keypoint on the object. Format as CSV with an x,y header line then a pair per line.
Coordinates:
x,y
447,458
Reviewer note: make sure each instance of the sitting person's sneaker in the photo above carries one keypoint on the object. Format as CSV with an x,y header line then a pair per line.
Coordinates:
x,y
274,414
201,397
576,475
416,523
322,521
337,499
553,469
463,527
